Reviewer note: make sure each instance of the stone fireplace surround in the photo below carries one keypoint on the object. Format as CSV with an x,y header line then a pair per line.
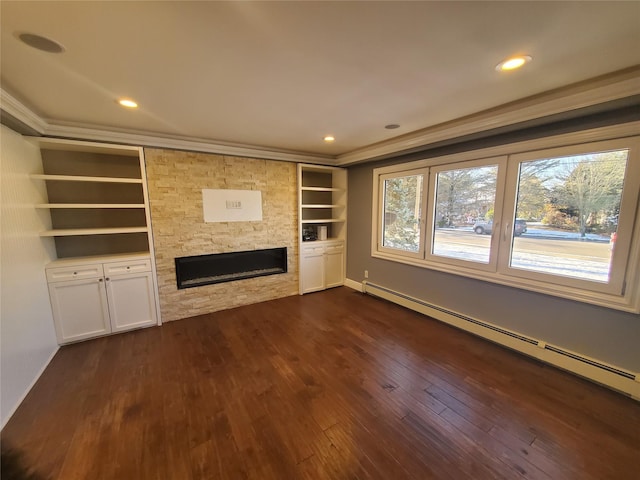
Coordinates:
x,y
175,183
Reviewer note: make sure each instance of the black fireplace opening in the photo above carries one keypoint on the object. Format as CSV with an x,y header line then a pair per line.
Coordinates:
x,y
200,270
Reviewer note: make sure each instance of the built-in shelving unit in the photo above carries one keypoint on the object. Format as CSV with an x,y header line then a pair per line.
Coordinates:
x,y
103,280
322,211
323,202
97,198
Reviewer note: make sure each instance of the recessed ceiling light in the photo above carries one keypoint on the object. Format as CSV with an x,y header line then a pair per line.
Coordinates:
x,y
128,103
39,42
329,138
392,126
512,63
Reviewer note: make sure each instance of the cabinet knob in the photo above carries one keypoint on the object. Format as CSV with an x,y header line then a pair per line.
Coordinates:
x,y
75,273
99,280
107,279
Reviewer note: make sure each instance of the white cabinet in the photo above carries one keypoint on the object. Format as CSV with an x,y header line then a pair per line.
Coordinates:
x,y
79,309
131,302
312,269
322,212
112,294
321,266
104,279
334,265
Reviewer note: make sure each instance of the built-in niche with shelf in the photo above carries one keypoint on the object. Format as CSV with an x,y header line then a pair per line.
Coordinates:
x,y
96,198
322,194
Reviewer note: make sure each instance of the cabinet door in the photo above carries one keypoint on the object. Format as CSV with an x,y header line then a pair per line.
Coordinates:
x,y
131,301
79,309
312,270
334,267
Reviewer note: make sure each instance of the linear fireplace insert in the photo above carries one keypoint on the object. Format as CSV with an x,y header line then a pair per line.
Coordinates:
x,y
226,267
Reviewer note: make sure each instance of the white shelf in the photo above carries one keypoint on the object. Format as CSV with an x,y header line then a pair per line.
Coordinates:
x,y
322,206
114,257
77,178
326,220
92,231
322,189
90,205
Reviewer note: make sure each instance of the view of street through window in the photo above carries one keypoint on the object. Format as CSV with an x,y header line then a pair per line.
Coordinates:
x,y
541,249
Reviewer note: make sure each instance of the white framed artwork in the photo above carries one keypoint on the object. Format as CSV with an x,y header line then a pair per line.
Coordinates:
x,y
232,205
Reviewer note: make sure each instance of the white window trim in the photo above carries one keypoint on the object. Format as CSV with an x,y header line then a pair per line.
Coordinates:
x,y
630,299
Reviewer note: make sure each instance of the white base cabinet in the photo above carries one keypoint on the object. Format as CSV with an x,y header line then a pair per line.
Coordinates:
x,y
321,266
93,299
130,300
80,309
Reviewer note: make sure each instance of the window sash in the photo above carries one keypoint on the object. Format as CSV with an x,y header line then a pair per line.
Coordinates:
x,y
628,203
490,266
419,253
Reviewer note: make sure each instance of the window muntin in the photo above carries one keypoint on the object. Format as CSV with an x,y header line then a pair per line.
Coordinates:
x,y
464,195
401,204
516,202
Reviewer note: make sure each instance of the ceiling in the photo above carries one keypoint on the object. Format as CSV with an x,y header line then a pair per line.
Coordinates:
x,y
282,75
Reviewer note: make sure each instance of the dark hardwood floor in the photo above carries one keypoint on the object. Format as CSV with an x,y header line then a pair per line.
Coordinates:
x,y
332,385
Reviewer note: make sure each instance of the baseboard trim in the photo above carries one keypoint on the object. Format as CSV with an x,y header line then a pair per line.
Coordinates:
x,y
597,371
26,392
353,284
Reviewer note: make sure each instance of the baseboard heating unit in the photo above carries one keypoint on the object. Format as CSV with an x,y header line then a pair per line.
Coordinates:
x,y
600,372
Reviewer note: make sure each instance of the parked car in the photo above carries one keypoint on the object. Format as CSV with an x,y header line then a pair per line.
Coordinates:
x,y
484,227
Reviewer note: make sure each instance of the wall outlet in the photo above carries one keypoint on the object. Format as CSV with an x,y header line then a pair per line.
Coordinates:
x,y
366,274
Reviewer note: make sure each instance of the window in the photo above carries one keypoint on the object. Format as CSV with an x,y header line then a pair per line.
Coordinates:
x,y
401,227
558,220
578,195
464,199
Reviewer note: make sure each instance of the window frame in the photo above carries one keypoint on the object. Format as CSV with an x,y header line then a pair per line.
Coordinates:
x,y
501,162
622,290
628,206
379,236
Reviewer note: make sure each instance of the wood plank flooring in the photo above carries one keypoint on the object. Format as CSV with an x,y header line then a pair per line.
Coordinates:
x,y
332,385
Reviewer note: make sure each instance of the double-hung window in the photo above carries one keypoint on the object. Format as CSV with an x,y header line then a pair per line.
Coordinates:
x,y
561,220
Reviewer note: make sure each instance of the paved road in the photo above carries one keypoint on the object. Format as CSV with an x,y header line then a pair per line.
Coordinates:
x,y
565,257
594,251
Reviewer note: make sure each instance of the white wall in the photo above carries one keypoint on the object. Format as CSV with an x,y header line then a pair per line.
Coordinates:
x,y
27,336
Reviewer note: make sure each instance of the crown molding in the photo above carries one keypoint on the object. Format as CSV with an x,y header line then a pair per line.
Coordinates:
x,y
18,110
151,140
615,86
